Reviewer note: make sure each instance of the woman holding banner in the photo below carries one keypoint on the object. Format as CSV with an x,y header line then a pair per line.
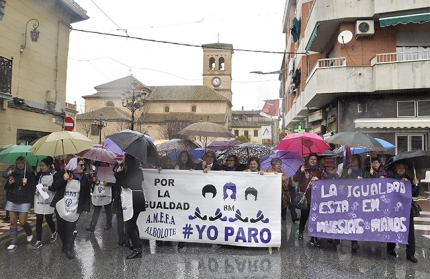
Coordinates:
x,y
129,176
400,173
355,170
304,176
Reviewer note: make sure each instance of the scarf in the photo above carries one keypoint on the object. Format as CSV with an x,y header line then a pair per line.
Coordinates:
x,y
231,168
356,172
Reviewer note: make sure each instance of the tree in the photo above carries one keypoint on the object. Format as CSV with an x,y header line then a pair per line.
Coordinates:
x,y
85,126
171,128
242,138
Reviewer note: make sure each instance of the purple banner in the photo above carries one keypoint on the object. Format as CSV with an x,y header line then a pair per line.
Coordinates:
x,y
374,209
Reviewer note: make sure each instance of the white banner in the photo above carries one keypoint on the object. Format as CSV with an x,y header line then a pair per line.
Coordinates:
x,y
266,132
234,208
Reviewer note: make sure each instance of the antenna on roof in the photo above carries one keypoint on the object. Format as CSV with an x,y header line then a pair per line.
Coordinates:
x,y
130,70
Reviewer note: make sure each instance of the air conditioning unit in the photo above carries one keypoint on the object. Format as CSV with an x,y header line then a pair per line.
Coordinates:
x,y
364,28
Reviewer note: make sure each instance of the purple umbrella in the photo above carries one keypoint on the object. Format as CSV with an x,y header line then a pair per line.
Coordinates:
x,y
111,146
223,144
291,161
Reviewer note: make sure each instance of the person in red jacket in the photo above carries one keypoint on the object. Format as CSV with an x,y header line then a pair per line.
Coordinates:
x,y
304,176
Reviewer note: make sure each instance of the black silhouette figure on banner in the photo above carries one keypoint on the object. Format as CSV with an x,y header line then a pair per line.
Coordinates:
x,y
209,188
251,191
239,217
218,215
260,217
232,187
197,214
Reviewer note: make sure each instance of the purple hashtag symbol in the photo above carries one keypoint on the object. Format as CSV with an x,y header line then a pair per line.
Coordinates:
x,y
187,231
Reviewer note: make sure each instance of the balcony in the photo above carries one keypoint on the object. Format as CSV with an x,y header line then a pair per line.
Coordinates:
x,y
388,73
327,14
5,79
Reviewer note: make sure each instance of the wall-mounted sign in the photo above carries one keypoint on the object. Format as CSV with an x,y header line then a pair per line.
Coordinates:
x,y
331,118
316,130
266,132
315,116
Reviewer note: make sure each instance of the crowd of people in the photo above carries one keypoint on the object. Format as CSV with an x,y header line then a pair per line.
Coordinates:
x,y
67,188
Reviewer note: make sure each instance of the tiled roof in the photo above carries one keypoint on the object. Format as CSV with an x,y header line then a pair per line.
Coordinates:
x,y
237,123
182,116
109,113
176,93
122,84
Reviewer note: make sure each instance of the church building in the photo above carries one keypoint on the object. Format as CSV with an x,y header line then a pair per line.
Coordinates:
x,y
166,109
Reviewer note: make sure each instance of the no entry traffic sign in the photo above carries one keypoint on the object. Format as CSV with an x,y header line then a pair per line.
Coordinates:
x,y
69,124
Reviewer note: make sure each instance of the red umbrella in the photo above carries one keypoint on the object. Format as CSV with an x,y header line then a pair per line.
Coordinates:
x,y
304,143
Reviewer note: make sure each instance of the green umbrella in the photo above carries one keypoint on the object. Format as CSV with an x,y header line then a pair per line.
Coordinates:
x,y
9,155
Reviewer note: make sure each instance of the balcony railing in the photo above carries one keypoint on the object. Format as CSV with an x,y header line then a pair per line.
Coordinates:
x,y
5,75
400,57
327,63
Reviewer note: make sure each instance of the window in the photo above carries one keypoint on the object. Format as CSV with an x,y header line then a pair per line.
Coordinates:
x,y
110,104
236,133
246,134
166,109
94,130
6,75
409,142
193,108
406,109
256,133
221,63
211,63
27,136
423,108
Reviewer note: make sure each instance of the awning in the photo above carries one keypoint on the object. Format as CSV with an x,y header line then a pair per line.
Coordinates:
x,y
392,122
404,18
313,36
295,29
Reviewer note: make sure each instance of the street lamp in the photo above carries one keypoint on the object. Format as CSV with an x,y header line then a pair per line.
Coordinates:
x,y
100,123
34,34
133,101
282,73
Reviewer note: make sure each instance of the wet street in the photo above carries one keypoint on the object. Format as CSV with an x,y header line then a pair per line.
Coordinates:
x,y
99,256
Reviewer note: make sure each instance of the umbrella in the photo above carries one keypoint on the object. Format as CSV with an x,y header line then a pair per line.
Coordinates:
x,y
149,138
111,146
99,154
61,143
174,145
291,161
196,153
304,143
246,150
223,144
418,159
137,145
384,143
206,129
9,155
6,146
355,139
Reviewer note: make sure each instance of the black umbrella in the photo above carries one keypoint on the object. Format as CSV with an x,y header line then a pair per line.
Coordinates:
x,y
137,145
418,159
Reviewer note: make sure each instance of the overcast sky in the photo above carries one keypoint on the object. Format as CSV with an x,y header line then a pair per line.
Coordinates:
x,y
246,24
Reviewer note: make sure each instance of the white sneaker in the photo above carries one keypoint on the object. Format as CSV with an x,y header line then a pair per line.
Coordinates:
x,y
29,238
54,236
37,245
12,246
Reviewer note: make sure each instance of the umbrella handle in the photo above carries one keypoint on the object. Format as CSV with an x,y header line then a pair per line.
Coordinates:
x,y
64,157
371,168
25,168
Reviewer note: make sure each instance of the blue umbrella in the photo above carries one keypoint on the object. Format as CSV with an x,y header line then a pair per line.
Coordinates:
x,y
291,161
384,143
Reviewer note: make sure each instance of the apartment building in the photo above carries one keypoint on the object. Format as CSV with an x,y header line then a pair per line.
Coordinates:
x,y
359,66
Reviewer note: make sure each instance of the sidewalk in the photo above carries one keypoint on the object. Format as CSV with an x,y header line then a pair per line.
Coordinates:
x,y
5,225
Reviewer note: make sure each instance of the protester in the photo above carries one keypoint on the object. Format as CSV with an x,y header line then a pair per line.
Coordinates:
x,y
208,162
254,165
377,171
99,203
71,199
355,170
6,176
304,176
42,208
129,176
166,163
232,164
184,161
330,170
20,187
400,173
